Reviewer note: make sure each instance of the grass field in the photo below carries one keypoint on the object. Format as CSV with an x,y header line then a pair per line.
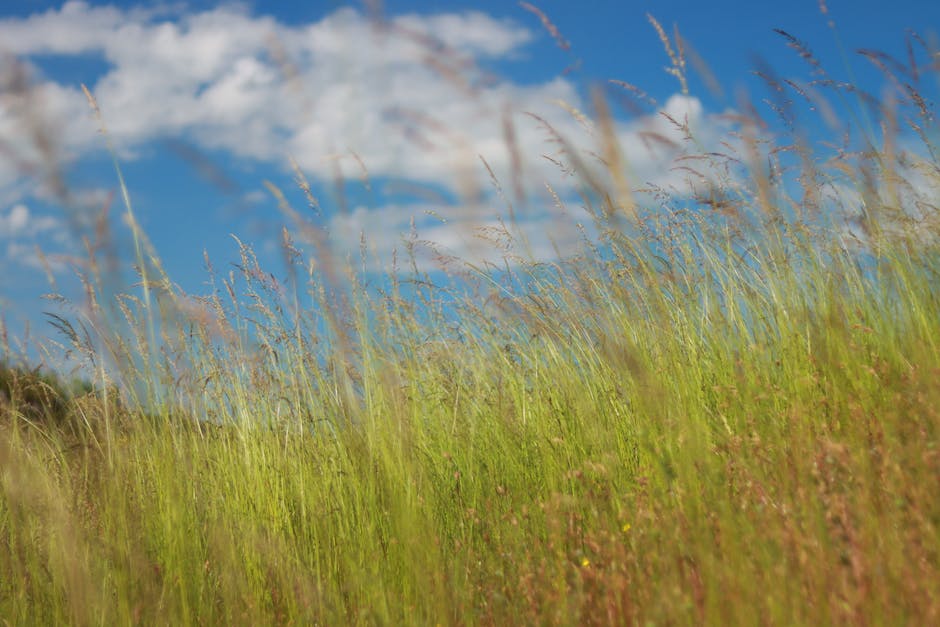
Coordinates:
x,y
726,410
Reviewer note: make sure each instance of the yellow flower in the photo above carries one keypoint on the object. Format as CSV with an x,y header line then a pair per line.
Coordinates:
x,y
626,527
585,562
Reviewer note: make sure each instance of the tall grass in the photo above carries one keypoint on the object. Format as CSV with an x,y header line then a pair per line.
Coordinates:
x,y
724,411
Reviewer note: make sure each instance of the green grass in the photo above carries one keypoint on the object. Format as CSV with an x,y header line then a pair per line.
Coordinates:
x,y
714,415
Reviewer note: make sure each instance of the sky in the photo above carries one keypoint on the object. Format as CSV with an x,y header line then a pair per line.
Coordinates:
x,y
204,102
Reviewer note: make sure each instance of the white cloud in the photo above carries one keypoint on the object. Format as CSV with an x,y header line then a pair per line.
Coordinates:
x,y
473,33
18,221
902,204
76,28
20,233
393,96
406,99
476,234
15,222
29,256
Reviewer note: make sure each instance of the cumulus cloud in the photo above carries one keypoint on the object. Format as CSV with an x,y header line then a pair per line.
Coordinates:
x,y
902,204
262,89
19,222
14,222
31,256
409,98
20,233
438,234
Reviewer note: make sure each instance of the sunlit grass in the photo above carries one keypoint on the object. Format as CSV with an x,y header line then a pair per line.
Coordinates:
x,y
720,412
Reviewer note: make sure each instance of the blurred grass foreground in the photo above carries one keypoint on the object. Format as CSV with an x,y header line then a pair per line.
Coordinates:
x,y
722,408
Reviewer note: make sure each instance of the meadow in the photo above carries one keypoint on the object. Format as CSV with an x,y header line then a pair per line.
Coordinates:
x,y
724,410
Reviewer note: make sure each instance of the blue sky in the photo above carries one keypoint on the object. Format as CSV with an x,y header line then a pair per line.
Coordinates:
x,y
181,83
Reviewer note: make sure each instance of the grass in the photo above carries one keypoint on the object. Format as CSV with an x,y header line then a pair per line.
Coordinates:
x,y
720,413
